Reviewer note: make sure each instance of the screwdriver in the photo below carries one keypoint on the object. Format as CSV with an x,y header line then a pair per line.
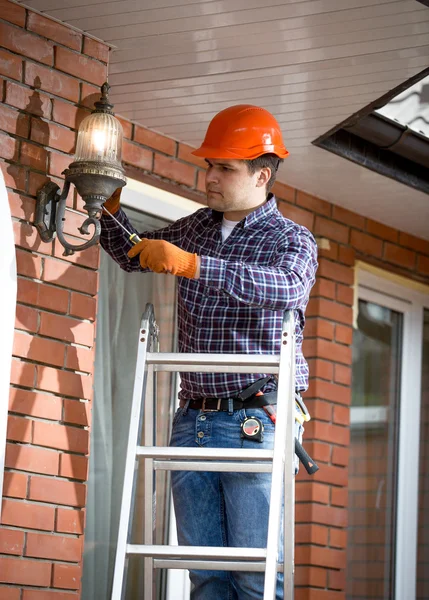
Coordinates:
x,y
133,237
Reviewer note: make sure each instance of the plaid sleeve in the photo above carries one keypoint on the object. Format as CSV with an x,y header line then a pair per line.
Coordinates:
x,y
284,285
115,241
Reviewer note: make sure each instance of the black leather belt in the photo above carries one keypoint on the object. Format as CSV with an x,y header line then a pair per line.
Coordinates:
x,y
224,404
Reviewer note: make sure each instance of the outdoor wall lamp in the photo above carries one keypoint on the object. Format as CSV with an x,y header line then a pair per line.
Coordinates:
x,y
96,172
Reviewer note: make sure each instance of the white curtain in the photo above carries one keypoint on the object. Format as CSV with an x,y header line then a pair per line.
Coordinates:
x,y
122,299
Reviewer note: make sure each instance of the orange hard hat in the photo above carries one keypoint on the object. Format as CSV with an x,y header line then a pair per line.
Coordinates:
x,y
242,132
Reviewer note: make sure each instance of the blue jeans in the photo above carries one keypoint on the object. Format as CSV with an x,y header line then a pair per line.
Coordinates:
x,y
222,509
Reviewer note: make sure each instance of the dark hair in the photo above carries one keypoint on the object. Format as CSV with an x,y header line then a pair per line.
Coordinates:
x,y
266,160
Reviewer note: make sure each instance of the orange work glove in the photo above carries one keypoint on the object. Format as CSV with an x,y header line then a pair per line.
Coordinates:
x,y
162,257
112,204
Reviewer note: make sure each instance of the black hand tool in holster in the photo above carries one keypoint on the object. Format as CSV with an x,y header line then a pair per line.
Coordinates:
x,y
268,402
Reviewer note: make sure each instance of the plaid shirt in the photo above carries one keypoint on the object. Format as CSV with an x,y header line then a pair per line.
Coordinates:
x,y
266,266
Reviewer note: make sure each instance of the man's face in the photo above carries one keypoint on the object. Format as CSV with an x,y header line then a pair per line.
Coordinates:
x,y
230,186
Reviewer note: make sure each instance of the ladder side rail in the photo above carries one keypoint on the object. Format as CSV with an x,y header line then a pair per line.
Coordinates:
x,y
130,461
149,420
289,479
278,484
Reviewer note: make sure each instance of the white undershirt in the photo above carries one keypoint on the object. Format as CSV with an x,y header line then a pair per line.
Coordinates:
x,y
227,227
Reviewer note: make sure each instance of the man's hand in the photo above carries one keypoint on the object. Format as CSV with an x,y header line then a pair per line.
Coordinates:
x,y
113,203
162,257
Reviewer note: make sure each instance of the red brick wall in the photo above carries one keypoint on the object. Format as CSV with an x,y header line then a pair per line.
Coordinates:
x,y
43,98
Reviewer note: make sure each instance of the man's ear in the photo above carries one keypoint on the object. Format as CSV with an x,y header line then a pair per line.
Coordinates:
x,y
263,177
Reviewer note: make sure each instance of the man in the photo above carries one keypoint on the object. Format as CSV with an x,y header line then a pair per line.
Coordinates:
x,y
240,264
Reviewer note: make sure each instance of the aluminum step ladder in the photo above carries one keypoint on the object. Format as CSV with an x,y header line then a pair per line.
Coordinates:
x,y
279,461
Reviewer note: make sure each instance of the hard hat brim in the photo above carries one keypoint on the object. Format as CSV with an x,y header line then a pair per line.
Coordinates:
x,y
237,153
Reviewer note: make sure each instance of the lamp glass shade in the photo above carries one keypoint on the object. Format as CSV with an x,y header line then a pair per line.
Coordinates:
x,y
99,139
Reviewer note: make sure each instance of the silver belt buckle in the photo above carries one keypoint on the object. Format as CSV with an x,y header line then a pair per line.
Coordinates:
x,y
204,409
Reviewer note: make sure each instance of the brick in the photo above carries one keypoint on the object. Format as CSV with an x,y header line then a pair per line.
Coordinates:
x,y
283,191
185,153
63,382
340,456
320,556
70,521
27,263
43,296
96,49
309,576
311,534
33,156
85,258
137,156
15,485
9,147
316,594
337,579
321,514
35,404
382,231
66,576
25,572
342,375
322,369
57,491
27,236
77,412
27,515
10,593
12,13
325,390
399,256
68,114
335,271
319,451
26,44
52,81
338,538
316,327
80,66
54,31
414,243
327,309
346,255
66,328
312,492
423,265
90,94
325,432
47,595
327,248
58,163
61,437
80,359
18,429
176,171
343,334
127,127
35,183
366,244
26,318
201,181
83,306
35,460
344,294
72,222
29,100
313,204
319,409
22,373
40,545
69,276
13,121
331,230
154,140
74,467
323,287
52,135
11,541
21,206
296,214
333,475
348,217
15,177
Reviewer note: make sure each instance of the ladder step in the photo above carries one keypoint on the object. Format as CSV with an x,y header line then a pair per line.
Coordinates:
x,y
216,467
227,454
214,565
213,363
198,552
